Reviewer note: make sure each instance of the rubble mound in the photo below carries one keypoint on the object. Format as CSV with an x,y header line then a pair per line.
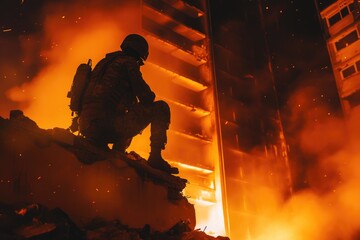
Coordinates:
x,y
55,185
56,169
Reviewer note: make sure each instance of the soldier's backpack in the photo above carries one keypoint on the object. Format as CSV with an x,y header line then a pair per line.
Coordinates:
x,y
80,82
79,85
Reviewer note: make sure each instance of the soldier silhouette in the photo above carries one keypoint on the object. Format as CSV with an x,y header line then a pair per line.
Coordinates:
x,y
118,104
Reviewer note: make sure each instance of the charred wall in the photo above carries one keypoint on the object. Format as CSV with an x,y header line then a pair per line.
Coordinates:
x,y
251,130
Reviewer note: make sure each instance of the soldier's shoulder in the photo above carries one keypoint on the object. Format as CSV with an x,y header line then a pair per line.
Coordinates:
x,y
121,57
131,63
114,54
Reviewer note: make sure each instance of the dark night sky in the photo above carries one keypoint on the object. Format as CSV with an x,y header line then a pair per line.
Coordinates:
x,y
298,50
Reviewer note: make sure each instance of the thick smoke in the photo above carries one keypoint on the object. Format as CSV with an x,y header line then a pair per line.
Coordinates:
x,y
72,34
327,208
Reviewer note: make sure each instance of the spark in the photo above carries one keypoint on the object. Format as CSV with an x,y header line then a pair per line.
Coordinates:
x,y
22,211
7,30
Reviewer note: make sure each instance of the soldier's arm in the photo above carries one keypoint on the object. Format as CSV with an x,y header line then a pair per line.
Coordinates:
x,y
138,84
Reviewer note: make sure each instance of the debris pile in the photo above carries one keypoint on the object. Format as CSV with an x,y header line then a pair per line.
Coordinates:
x,y
78,191
35,221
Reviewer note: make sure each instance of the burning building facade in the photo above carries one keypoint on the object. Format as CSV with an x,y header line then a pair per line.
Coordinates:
x,y
341,25
226,134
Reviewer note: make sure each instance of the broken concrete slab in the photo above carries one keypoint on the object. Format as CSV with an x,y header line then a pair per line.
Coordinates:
x,y
37,165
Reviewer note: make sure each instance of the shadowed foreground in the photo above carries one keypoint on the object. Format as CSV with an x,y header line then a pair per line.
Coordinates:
x,y
50,179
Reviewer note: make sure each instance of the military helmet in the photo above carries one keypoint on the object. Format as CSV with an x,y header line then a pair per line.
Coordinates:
x,y
136,44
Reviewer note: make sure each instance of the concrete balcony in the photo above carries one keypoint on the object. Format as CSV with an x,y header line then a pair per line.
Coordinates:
x,y
339,26
350,86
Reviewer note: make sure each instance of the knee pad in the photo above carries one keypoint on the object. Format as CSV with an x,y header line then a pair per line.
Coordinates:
x,y
162,110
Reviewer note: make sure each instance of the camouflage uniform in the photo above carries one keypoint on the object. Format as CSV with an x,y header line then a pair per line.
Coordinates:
x,y
118,105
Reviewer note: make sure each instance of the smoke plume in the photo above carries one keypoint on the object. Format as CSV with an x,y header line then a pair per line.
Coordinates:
x,y
72,33
327,208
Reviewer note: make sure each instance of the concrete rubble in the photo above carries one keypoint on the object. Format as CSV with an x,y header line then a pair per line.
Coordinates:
x,y
56,185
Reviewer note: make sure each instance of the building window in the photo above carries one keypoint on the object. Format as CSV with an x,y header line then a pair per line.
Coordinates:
x,y
347,72
344,12
340,15
334,19
347,40
354,99
357,66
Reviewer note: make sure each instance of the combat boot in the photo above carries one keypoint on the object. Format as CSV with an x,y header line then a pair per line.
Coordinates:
x,y
156,161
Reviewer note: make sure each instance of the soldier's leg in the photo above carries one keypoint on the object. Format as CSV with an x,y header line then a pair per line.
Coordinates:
x,y
94,132
128,125
139,117
159,120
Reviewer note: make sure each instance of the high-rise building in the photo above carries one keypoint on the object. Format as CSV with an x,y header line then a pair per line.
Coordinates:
x,y
225,135
341,24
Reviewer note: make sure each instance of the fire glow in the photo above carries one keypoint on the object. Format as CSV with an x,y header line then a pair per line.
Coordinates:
x,y
70,40
310,214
